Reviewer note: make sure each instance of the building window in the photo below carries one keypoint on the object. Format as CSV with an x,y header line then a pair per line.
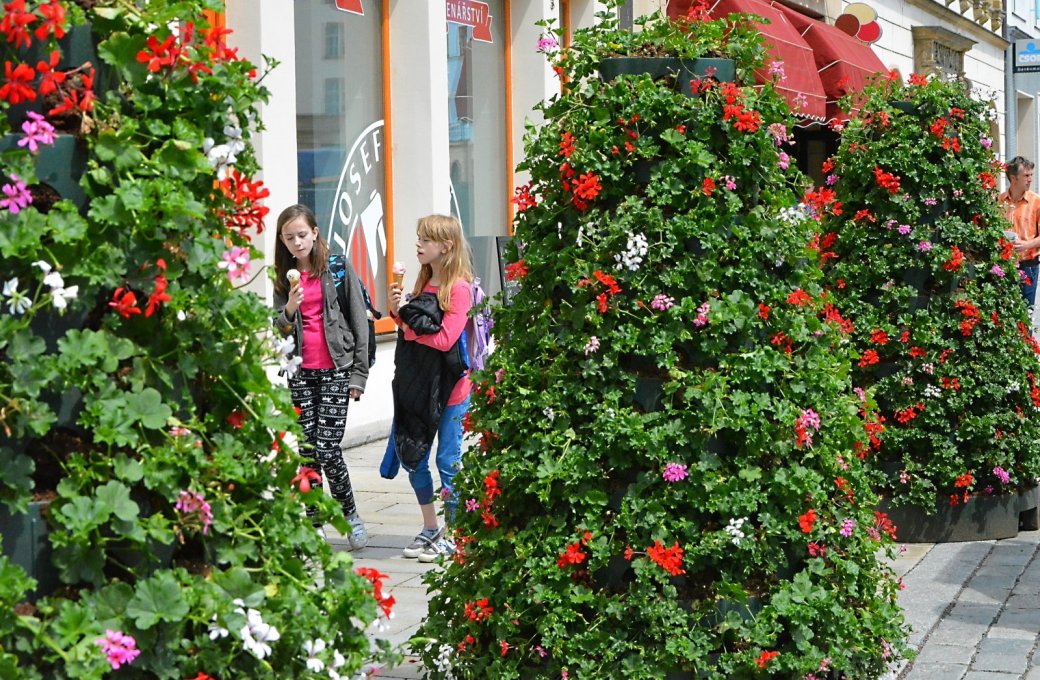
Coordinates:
x,y
333,96
341,150
939,51
477,130
334,40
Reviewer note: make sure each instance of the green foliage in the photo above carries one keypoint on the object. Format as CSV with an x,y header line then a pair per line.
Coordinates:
x,y
669,314
134,373
956,368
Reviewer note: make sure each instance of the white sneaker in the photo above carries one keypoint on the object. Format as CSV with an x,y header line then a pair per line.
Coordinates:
x,y
358,537
445,547
422,540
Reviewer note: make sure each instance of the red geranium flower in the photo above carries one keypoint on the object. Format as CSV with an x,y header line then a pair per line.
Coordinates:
x,y
807,520
125,302
669,559
304,478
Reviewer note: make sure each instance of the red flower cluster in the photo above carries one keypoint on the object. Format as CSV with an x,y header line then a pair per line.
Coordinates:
x,y
938,128
516,270
575,553
821,200
478,610
832,315
124,301
807,520
246,196
886,180
907,414
159,295
523,199
566,144
956,259
669,559
869,358
708,186
765,657
602,300
799,298
972,316
879,337
883,524
491,491
988,180
375,577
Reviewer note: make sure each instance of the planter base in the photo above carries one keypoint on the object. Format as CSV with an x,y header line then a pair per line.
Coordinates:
x,y
25,543
982,518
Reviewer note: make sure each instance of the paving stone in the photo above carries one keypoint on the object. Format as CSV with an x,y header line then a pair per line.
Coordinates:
x,y
1002,654
935,671
942,653
990,675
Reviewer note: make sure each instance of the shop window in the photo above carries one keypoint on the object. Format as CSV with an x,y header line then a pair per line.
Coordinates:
x,y
477,127
340,139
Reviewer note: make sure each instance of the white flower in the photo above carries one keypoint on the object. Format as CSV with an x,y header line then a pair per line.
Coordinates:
x,y
313,648
46,267
19,302
932,391
220,156
549,413
215,630
635,251
1013,387
61,296
256,634
734,529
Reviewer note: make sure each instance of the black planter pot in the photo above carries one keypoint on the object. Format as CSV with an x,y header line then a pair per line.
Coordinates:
x,y
917,277
905,107
59,165
683,70
26,543
982,518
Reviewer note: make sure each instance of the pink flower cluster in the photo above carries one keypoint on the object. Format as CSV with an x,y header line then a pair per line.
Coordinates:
x,y
16,196
37,131
662,302
119,648
702,315
1001,474
193,507
674,472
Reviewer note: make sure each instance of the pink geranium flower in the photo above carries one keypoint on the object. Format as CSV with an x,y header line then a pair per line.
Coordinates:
x,y
119,648
236,262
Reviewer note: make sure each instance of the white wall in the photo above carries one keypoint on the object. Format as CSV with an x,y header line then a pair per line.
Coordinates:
x,y
266,27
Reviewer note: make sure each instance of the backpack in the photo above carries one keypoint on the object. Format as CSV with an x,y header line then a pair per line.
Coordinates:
x,y
338,269
476,336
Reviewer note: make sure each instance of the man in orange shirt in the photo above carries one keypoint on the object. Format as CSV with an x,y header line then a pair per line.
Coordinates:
x,y
1022,208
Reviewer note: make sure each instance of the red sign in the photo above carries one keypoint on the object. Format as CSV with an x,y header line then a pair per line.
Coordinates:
x,y
352,6
471,13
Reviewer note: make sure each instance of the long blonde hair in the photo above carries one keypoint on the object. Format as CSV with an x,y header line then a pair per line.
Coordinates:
x,y
457,264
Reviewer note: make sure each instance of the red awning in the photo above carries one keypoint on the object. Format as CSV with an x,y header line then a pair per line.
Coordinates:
x,y
845,63
802,88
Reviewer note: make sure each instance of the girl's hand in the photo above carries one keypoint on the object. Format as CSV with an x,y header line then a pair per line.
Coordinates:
x,y
355,393
396,291
294,302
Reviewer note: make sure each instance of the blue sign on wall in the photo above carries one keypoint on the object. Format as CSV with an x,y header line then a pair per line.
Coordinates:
x,y
1027,56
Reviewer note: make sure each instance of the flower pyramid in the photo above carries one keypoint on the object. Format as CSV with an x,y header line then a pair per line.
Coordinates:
x,y
667,477
918,261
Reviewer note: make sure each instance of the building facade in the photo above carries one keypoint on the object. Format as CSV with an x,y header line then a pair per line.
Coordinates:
x,y
383,111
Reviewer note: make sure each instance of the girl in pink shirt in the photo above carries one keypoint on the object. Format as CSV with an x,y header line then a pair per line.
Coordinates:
x,y
446,272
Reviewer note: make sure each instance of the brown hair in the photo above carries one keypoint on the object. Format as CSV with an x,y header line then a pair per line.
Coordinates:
x,y
285,260
458,263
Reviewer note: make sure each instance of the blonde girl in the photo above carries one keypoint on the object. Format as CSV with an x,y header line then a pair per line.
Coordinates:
x,y
446,271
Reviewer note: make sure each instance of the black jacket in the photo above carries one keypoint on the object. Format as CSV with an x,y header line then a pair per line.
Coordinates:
x,y
423,380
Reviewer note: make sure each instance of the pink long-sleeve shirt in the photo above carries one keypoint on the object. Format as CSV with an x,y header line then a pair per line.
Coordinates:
x,y
452,326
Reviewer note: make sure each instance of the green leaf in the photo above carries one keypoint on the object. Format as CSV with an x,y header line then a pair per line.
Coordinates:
x,y
157,599
112,148
238,585
128,469
17,477
147,407
115,497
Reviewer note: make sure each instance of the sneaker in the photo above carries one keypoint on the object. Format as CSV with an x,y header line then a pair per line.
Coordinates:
x,y
358,537
423,539
445,547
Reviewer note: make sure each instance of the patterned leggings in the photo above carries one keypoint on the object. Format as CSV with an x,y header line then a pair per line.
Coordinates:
x,y
322,395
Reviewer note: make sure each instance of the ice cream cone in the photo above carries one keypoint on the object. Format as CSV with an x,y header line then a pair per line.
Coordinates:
x,y
293,276
398,273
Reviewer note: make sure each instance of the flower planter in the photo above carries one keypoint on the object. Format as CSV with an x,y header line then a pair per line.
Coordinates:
x,y
25,543
904,106
59,165
982,518
683,70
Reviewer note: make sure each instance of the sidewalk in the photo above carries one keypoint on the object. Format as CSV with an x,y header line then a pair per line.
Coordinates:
x,y
974,608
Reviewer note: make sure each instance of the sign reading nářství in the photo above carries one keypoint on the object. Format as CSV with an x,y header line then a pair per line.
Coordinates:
x,y
471,13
